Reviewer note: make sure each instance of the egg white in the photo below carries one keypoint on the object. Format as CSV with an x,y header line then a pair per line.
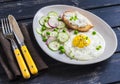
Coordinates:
x,y
86,53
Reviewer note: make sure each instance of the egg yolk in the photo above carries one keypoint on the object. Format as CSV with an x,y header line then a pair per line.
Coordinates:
x,y
81,41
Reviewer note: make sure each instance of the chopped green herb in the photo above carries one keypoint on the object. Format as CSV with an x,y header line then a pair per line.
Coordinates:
x,y
48,33
98,47
94,33
44,39
75,18
71,18
86,38
76,32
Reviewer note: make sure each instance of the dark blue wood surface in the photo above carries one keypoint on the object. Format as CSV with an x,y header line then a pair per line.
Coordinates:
x,y
60,73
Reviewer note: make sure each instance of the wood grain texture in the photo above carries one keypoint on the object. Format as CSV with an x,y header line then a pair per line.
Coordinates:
x,y
23,11
60,73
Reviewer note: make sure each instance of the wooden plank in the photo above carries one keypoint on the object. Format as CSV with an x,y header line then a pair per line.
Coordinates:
x,y
24,12
86,4
117,31
1,1
110,14
104,72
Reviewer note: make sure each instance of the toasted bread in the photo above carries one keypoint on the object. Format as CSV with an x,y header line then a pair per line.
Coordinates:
x,y
84,28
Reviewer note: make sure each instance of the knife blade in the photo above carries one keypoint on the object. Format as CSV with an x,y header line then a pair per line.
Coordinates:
x,y
20,38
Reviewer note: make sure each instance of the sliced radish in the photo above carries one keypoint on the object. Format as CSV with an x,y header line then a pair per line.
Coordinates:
x,y
53,22
50,39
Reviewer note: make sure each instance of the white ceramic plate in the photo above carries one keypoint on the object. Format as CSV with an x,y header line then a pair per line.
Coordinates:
x,y
99,25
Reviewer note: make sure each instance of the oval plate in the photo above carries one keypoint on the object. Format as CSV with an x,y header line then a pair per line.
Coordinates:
x,y
99,25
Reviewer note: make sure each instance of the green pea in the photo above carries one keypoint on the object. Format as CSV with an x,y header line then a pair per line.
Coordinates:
x,y
61,47
62,50
48,33
94,33
43,28
76,32
71,18
44,39
64,31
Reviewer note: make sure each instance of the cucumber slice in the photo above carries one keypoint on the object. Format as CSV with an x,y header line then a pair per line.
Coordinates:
x,y
61,24
44,33
46,25
43,20
54,33
63,37
54,45
52,14
38,30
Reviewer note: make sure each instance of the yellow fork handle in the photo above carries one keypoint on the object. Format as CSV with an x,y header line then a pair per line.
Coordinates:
x,y
32,67
22,64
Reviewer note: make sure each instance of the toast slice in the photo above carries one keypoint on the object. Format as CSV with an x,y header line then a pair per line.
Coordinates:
x,y
77,21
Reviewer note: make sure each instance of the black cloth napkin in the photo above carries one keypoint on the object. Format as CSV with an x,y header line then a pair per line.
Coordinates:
x,y
8,60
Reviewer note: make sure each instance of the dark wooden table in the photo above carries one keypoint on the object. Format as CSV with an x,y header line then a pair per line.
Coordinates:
x,y
107,71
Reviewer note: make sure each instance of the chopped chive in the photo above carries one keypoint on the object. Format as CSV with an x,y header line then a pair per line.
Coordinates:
x,y
76,32
86,38
75,18
71,18
94,33
98,47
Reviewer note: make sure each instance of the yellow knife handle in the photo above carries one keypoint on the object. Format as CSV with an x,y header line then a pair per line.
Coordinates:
x,y
29,60
21,64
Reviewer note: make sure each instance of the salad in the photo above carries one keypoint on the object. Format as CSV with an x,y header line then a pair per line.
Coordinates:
x,y
53,31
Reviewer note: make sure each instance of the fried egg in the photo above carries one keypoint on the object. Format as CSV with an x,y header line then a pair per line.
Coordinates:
x,y
84,45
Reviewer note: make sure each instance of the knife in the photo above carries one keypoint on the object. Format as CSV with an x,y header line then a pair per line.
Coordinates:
x,y
19,36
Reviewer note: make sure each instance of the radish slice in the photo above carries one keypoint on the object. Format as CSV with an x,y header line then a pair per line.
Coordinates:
x,y
50,39
53,22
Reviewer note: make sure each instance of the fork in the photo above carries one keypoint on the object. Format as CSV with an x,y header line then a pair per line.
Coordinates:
x,y
8,33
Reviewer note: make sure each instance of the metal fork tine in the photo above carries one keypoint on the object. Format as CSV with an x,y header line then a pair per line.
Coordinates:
x,y
10,27
8,24
3,28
